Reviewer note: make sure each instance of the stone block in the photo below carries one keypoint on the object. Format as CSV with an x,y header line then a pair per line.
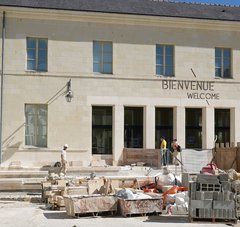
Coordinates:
x,y
201,213
224,196
193,188
62,183
210,187
224,205
199,195
223,177
185,179
207,179
226,186
201,204
224,213
79,190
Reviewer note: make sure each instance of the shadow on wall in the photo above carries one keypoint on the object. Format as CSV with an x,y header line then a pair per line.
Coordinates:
x,y
7,143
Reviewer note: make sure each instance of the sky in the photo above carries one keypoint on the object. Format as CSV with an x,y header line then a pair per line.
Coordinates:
x,y
225,2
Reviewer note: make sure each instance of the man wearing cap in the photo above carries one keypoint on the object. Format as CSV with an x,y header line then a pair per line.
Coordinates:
x,y
64,159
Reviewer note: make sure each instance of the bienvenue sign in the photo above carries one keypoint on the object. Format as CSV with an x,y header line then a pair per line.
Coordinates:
x,y
195,89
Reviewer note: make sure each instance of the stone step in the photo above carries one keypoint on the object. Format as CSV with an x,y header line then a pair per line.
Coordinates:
x,y
21,184
23,174
21,196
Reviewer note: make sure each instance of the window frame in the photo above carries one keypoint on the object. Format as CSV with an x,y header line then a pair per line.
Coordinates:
x,y
35,128
230,76
164,60
37,39
101,63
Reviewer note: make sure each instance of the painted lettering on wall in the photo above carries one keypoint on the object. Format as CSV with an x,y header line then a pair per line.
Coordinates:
x,y
195,89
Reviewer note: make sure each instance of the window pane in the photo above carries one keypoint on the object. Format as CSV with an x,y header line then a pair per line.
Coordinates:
x,y
159,60
227,53
31,54
226,63
42,66
107,47
96,67
227,73
41,141
168,71
96,58
107,58
159,49
31,43
42,55
107,68
31,65
218,52
169,60
42,44
218,63
159,70
218,72
169,50
29,110
96,47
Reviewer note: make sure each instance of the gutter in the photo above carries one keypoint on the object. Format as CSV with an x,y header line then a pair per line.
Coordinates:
x,y
2,74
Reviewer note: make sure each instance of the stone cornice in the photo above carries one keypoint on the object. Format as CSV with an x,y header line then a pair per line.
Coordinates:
x,y
121,19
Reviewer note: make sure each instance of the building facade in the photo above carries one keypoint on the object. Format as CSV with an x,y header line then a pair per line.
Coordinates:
x,y
135,76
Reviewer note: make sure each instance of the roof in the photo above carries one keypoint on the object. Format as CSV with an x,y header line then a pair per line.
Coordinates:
x,y
136,7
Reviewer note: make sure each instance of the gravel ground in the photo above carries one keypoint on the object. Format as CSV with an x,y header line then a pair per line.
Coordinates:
x,y
24,214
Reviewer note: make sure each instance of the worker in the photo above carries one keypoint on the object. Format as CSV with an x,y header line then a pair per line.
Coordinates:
x,y
175,146
164,152
64,159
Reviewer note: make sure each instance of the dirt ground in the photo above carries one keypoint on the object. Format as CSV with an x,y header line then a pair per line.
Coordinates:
x,y
24,214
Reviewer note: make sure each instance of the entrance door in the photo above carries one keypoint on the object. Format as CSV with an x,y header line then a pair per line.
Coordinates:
x,y
101,130
133,127
193,128
164,126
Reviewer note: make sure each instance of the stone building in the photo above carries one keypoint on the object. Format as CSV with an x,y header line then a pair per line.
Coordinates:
x,y
139,70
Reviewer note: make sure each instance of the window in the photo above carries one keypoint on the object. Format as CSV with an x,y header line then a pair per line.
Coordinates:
x,y
164,60
102,130
223,62
36,125
193,128
133,127
222,125
37,54
164,126
102,57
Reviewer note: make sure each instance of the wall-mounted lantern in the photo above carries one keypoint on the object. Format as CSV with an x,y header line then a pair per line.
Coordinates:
x,y
69,93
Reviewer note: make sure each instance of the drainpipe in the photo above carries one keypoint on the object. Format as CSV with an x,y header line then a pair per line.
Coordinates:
x,y
2,72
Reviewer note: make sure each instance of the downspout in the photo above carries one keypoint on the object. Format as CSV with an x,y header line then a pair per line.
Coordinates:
x,y
2,73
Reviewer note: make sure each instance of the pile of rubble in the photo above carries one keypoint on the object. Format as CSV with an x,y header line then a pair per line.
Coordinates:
x,y
93,195
235,179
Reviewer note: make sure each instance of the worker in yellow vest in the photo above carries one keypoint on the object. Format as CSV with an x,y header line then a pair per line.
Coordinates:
x,y
163,148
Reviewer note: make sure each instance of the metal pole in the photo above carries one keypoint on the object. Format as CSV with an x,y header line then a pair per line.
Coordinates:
x,y
2,72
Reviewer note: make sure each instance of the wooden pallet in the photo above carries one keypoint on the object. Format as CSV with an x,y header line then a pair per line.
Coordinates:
x,y
94,214
213,220
141,214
